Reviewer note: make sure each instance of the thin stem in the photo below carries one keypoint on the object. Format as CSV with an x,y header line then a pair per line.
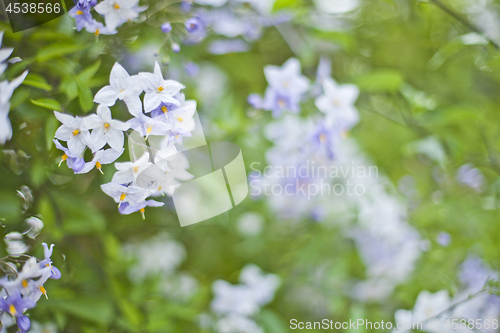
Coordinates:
x,y
466,23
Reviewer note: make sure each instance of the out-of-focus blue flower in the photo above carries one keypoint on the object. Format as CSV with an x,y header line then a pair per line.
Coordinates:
x,y
81,15
474,274
186,6
323,73
176,48
191,68
471,177
323,139
337,102
15,305
287,79
166,27
193,25
443,238
277,102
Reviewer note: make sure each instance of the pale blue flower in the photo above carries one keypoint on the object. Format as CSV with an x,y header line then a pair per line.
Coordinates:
x,y
166,27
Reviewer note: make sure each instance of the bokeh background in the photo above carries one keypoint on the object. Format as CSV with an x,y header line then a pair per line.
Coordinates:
x,y
429,76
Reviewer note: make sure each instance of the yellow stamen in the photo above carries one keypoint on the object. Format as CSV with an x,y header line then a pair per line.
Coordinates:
x,y
24,283
180,119
106,125
79,12
322,138
63,158
142,210
281,103
159,190
149,129
336,102
160,89
116,6
99,166
97,32
12,310
177,136
42,289
122,197
164,109
75,132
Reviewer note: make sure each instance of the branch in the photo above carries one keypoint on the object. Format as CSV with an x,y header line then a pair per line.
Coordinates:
x,y
466,23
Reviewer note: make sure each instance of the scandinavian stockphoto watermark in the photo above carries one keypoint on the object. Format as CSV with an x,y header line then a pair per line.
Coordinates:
x,y
310,180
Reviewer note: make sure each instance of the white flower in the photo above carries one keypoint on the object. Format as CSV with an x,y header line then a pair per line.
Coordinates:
x,y
6,91
15,243
426,306
37,327
74,131
250,224
5,52
117,11
234,323
337,103
336,6
213,3
287,79
183,117
123,87
159,255
105,129
147,126
35,226
172,166
102,157
131,194
129,171
263,286
98,28
238,299
158,89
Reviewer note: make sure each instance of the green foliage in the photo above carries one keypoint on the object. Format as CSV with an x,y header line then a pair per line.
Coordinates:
x,y
421,74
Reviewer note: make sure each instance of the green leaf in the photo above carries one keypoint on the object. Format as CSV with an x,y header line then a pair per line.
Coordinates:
x,y
79,217
272,322
10,207
382,80
57,50
48,103
97,310
85,96
50,130
88,73
37,81
282,4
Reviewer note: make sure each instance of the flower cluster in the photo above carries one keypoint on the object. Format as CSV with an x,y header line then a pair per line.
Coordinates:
x,y
165,114
440,307
235,305
115,12
6,90
239,22
22,289
312,147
